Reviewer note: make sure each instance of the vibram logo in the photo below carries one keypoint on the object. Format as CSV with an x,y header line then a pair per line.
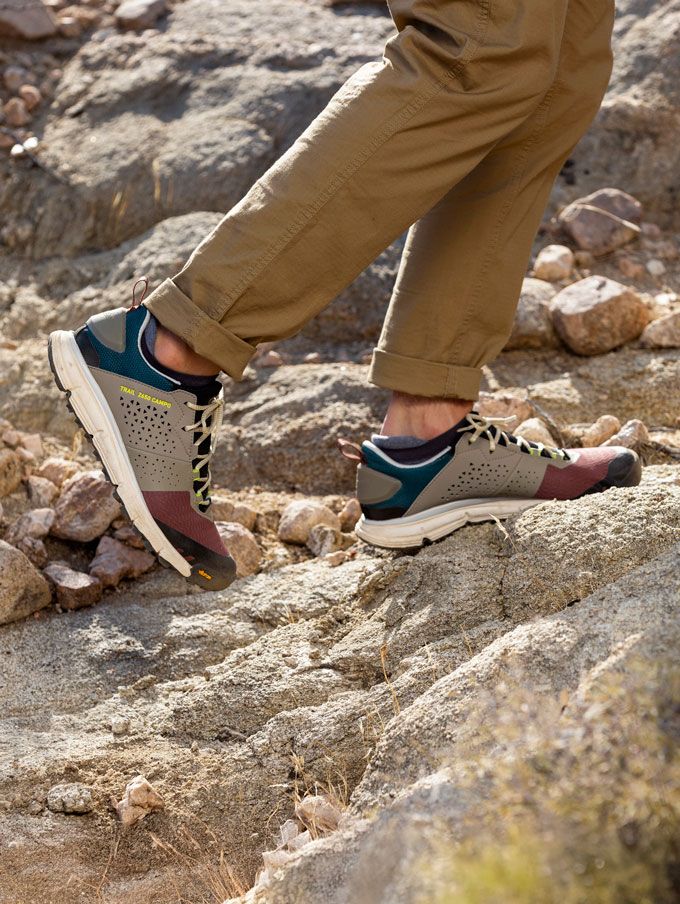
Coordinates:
x,y
204,574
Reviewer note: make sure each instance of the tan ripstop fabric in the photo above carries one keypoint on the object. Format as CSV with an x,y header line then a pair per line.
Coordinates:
x,y
461,130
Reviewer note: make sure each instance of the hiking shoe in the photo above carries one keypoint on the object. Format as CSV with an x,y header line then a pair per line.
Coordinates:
x,y
154,434
412,491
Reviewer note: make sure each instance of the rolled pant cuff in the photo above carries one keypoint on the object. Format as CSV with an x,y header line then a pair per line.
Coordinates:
x,y
424,378
177,312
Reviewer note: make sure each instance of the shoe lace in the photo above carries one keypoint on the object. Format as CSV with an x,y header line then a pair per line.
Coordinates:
x,y
491,428
205,428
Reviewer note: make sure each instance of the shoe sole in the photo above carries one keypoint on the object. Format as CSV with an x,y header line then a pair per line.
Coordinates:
x,y
415,530
91,410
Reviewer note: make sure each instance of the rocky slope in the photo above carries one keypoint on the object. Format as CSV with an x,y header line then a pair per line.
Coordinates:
x,y
343,724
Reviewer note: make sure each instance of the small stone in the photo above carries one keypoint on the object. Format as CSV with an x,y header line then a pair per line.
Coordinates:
x,y
242,545
323,540
272,358
312,358
26,457
554,262
662,333
350,514
596,315
656,267
536,431
630,268
35,523
114,561
602,221
631,435
32,442
73,797
139,14
336,558
506,403
57,470
41,492
34,808
119,725
10,471
86,507
73,589
130,535
224,509
23,590
599,432
14,77
584,259
300,516
318,814
70,27
139,799
11,438
532,326
16,114
651,231
32,21
30,95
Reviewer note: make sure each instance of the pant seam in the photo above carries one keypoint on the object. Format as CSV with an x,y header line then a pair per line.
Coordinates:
x,y
544,108
406,113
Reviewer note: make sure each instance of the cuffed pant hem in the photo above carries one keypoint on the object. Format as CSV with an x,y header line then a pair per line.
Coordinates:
x,y
424,378
207,337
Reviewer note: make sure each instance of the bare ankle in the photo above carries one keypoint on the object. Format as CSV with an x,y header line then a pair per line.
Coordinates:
x,y
409,415
174,353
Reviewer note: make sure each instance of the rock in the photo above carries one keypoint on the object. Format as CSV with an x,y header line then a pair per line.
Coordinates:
x,y
656,267
603,221
23,590
323,540
318,814
224,509
270,358
289,412
31,96
10,472
662,333
130,535
630,268
506,403
350,514
597,314
57,470
631,435
552,566
22,20
16,113
14,77
32,442
554,262
72,797
242,545
11,438
28,531
536,431
85,507
603,428
532,326
114,561
633,141
74,589
139,14
139,799
70,27
299,517
119,725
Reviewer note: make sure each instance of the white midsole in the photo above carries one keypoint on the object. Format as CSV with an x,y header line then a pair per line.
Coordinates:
x,y
93,411
413,530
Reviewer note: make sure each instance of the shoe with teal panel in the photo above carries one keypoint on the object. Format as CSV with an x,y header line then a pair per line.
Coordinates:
x,y
154,431
413,491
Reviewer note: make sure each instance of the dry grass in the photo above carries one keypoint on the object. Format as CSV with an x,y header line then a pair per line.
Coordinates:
x,y
578,805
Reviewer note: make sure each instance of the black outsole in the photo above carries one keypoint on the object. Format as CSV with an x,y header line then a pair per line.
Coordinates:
x,y
216,581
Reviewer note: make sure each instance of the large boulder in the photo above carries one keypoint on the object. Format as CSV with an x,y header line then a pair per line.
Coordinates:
x,y
23,590
633,143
